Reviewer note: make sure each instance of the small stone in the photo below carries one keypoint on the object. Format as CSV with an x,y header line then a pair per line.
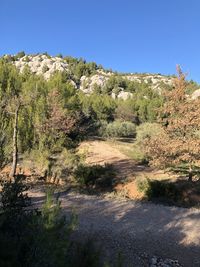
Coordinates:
x,y
154,260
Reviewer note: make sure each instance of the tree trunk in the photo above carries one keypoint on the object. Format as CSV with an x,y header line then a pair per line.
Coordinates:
x,y
15,147
190,175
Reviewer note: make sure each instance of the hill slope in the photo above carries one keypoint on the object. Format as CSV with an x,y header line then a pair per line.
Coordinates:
x,y
86,76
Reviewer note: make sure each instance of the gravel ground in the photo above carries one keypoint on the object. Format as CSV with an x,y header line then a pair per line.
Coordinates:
x,y
136,229
145,234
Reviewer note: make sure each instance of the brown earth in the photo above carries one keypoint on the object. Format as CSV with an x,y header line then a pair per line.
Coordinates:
x,y
128,171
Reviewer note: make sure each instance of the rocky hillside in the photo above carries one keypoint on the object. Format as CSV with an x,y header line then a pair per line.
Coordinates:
x,y
100,78
41,64
86,78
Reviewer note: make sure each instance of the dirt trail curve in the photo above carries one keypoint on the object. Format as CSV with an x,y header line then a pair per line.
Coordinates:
x,y
100,152
134,227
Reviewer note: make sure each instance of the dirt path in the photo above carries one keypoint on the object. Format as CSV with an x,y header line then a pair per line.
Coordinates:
x,y
101,152
134,228
130,227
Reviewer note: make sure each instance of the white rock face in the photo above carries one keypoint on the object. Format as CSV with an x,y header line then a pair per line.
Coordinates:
x,y
113,95
88,83
41,64
47,65
124,95
149,78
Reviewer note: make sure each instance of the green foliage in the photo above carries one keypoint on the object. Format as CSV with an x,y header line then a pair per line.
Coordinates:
x,y
36,238
119,129
19,55
34,93
126,111
116,82
87,254
56,166
99,107
144,133
102,127
26,59
8,58
14,202
10,81
87,112
14,218
79,67
94,175
63,164
112,83
60,55
137,153
142,185
162,190
147,108
141,107
40,160
3,139
147,131
191,87
50,247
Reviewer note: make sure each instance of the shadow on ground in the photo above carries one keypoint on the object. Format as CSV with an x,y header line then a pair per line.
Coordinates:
x,y
134,228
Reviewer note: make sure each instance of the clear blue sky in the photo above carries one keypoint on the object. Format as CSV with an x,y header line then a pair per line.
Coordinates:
x,y
125,35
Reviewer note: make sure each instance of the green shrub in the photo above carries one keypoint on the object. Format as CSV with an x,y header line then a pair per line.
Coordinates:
x,y
37,160
63,164
29,237
102,127
147,131
50,238
26,59
95,175
142,185
162,190
59,55
137,154
14,201
86,254
120,129
144,133
58,165
19,55
14,218
35,238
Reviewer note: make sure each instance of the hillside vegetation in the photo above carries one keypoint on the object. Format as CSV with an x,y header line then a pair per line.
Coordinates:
x,y
49,106
53,113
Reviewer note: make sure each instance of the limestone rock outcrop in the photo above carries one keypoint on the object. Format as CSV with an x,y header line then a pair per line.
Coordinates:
x,y
42,64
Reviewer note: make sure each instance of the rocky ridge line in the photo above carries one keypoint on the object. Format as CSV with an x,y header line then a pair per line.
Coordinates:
x,y
46,65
